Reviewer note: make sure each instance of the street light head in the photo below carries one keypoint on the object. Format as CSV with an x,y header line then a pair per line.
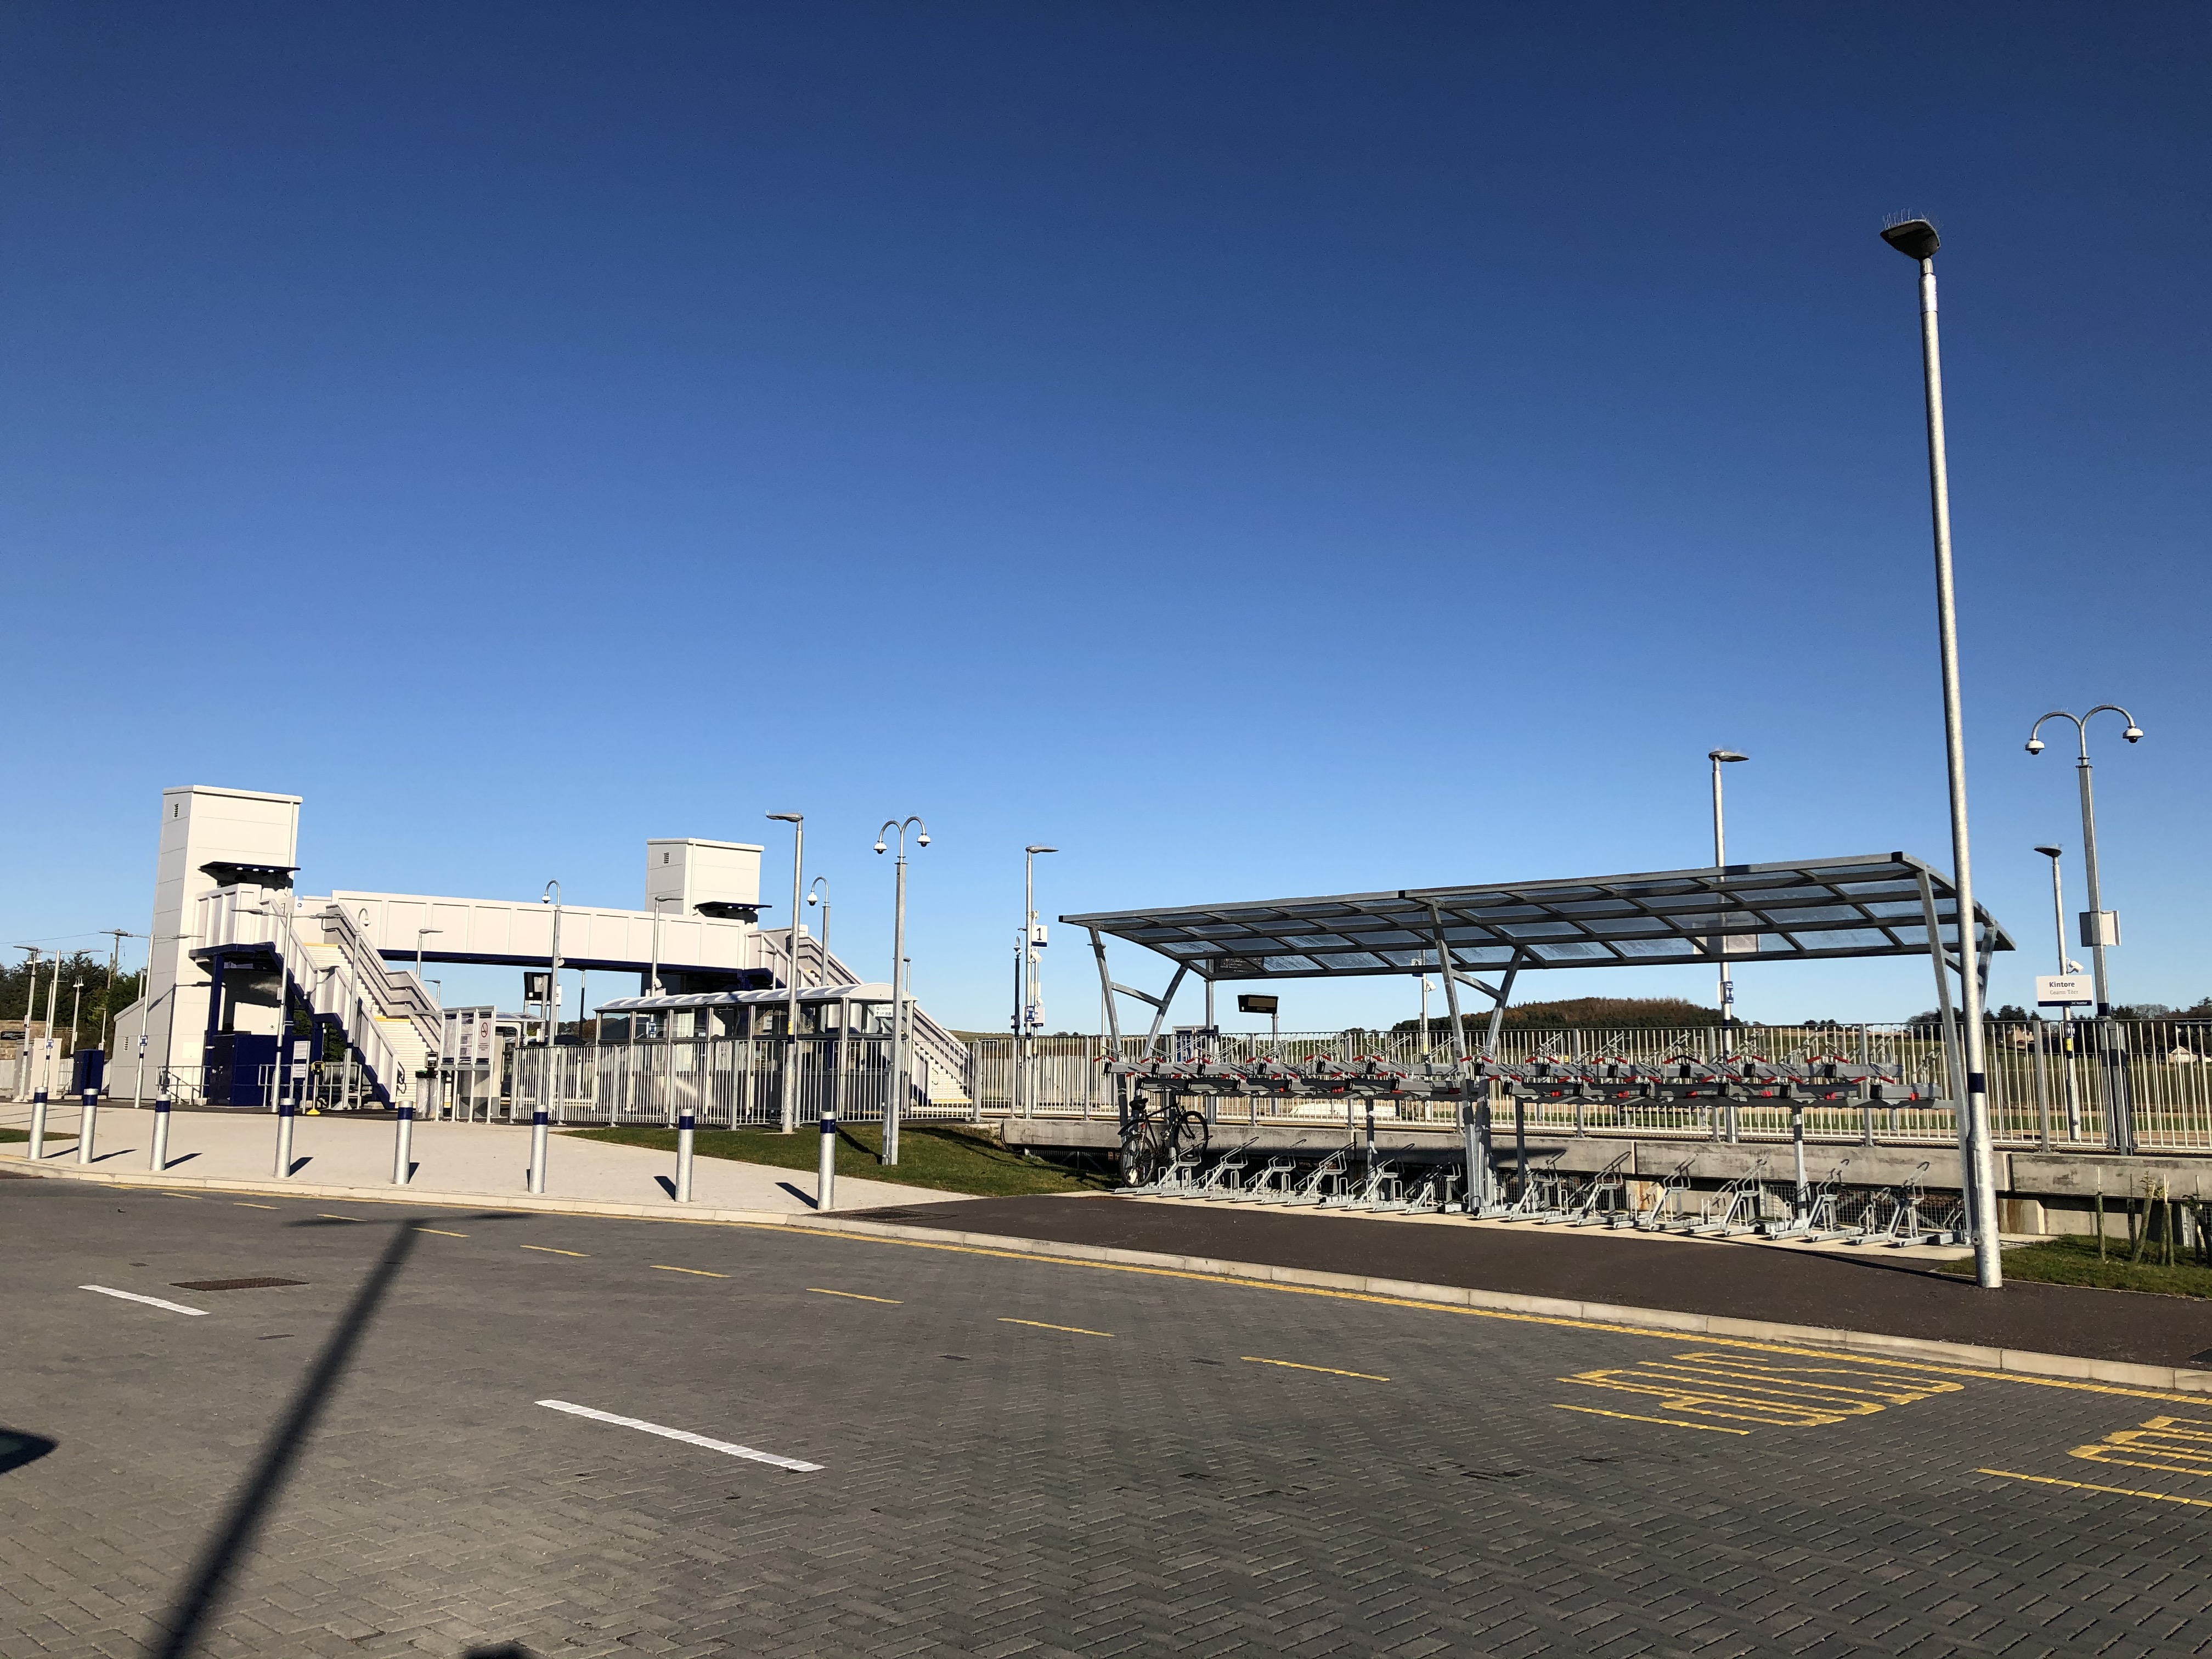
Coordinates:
x,y
1916,238
2051,851
1725,756
2133,734
1040,850
788,817
2035,745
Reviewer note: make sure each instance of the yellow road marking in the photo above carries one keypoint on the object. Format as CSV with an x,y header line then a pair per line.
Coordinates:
x,y
165,1192
548,1250
854,1295
662,1266
1631,1417
1752,1390
1557,1321
1328,1370
1074,1330
243,1206
2084,1486
2176,1445
442,1232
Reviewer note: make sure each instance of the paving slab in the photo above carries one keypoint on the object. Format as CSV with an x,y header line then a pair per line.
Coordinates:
x,y
479,1160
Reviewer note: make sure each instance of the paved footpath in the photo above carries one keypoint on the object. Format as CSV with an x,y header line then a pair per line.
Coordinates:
x,y
1013,1456
473,1158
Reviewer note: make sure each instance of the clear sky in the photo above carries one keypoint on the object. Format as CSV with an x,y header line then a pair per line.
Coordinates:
x,y
1261,449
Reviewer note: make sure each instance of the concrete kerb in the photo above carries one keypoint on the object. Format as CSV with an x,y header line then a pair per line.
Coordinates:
x,y
2020,1365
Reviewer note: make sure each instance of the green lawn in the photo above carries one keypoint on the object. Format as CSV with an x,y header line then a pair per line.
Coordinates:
x,y
15,1134
949,1158
2070,1261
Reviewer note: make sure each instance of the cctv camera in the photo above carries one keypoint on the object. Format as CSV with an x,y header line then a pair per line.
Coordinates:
x,y
2035,745
922,840
2132,733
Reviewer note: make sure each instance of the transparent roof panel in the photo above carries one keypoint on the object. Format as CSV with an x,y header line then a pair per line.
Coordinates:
x,y
1856,906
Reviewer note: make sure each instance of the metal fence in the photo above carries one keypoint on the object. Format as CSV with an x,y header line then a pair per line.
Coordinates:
x,y
2050,1085
725,1083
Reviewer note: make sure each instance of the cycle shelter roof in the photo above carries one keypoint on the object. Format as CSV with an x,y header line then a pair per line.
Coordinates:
x,y
1868,906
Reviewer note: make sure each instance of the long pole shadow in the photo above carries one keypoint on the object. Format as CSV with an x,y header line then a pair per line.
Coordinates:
x,y
195,1605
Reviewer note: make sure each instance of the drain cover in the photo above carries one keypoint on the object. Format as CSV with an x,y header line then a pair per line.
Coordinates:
x,y
233,1283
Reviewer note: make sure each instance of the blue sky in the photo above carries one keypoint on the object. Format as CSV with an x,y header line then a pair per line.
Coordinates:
x,y
1261,449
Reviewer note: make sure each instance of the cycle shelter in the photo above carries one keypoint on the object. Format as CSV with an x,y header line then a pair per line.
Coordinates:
x,y
1481,939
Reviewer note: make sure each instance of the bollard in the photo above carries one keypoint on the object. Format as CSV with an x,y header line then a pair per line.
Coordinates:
x,y
537,1150
402,1155
825,1171
684,1125
38,1146
160,1160
89,1122
284,1136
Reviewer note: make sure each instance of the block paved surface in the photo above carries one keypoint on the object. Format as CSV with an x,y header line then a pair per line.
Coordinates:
x,y
1400,1480
1843,1289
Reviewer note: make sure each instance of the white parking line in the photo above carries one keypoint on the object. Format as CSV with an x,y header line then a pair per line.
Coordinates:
x,y
150,1301
684,1435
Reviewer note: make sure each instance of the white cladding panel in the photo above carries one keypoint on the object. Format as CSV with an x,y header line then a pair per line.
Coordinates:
x,y
524,928
688,873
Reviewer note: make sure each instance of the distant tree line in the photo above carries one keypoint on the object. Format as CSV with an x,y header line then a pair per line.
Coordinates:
x,y
79,967
1669,1013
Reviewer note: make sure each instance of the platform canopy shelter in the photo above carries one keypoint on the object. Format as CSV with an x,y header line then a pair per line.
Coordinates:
x,y
1880,904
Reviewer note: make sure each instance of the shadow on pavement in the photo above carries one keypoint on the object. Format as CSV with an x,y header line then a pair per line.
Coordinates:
x,y
196,1602
18,1448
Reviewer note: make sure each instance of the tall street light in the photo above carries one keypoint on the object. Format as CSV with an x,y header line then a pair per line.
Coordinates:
x,y
2098,927
813,897
542,1114
421,933
1721,757
895,1098
1916,241
1030,1013
653,973
797,823
2065,966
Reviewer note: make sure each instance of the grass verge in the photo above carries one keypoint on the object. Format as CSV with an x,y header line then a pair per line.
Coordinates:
x,y
15,1134
2071,1260
941,1156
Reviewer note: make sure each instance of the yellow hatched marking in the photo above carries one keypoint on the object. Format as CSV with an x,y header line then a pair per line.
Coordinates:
x,y
1747,1390
700,1272
442,1232
854,1295
547,1249
1326,1370
1038,1324
1631,1417
2084,1486
2178,1445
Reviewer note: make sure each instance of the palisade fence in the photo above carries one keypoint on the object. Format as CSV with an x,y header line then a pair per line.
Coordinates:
x,y
725,1083
2048,1084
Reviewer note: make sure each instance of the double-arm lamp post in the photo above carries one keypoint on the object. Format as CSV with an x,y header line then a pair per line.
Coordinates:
x,y
901,1068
